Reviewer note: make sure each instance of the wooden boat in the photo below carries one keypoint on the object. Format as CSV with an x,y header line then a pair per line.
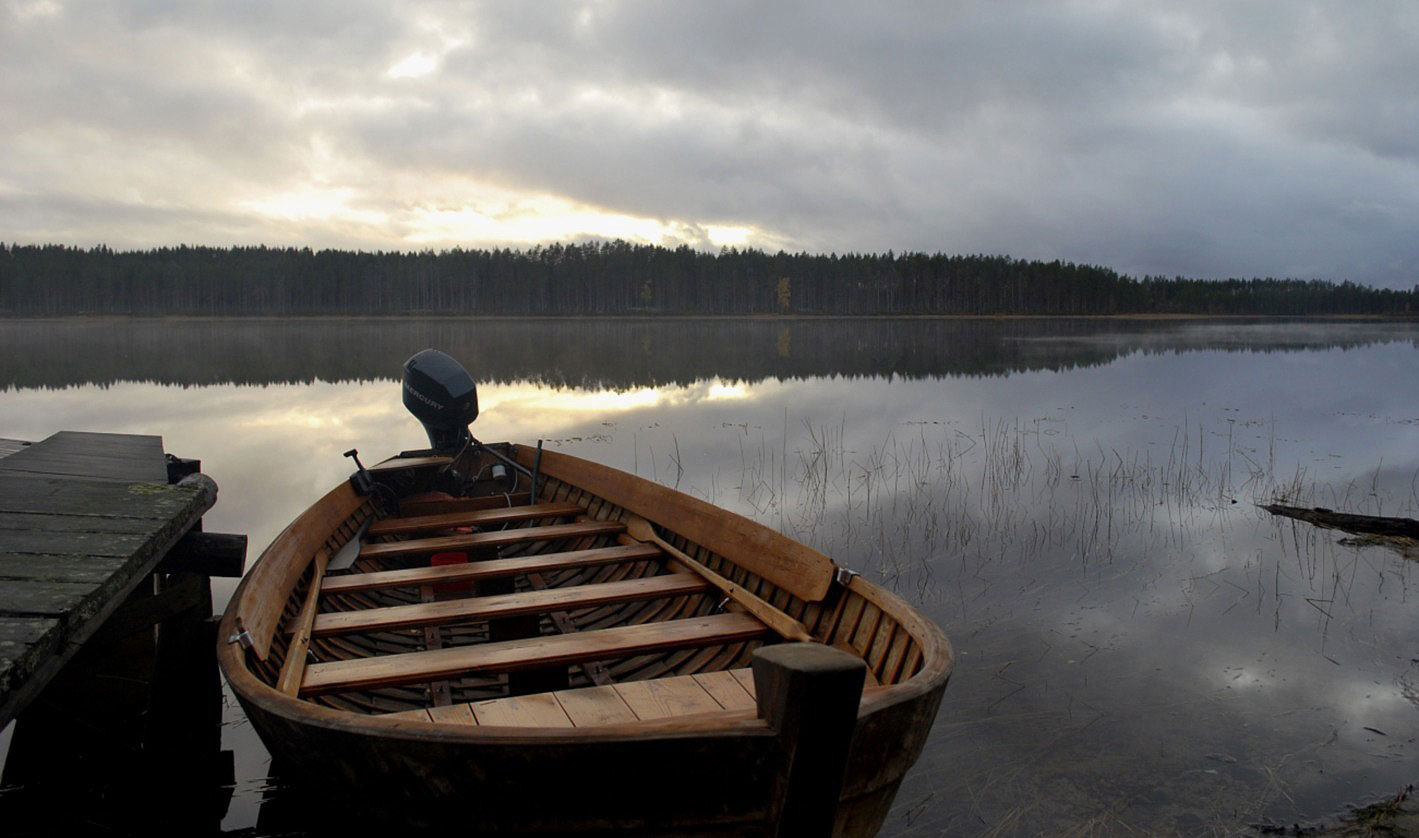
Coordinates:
x,y
549,645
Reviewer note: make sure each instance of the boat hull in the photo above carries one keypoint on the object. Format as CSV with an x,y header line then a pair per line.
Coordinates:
x,y
707,774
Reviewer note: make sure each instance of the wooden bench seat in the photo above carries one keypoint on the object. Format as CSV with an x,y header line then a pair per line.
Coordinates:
x,y
508,605
490,569
410,507
473,518
578,529
531,653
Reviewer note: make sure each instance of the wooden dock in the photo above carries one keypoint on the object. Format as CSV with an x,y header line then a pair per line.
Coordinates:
x,y
84,519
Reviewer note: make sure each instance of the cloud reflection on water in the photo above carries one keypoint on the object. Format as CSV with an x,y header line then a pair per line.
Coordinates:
x,y
1132,641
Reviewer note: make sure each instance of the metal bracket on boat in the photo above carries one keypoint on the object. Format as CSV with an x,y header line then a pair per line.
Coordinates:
x,y
515,465
361,480
843,576
243,638
723,603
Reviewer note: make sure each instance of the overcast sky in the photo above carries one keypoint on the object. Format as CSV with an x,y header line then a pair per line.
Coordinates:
x,y
1177,137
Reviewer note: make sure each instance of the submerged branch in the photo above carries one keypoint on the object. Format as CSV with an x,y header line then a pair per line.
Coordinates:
x,y
1353,524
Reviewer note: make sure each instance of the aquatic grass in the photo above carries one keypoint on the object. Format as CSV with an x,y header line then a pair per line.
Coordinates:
x,y
1023,537
928,496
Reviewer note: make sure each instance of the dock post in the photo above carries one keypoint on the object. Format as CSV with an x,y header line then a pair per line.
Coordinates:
x,y
808,693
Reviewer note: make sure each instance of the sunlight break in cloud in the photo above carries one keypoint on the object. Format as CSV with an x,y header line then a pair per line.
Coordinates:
x,y
549,218
415,66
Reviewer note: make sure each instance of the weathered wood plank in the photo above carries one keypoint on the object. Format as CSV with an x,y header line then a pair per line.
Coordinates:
x,y
663,698
51,495
472,518
539,710
490,569
80,527
592,706
506,605
459,714
726,689
500,538
119,457
28,598
110,544
38,522
40,567
745,677
533,653
25,636
420,715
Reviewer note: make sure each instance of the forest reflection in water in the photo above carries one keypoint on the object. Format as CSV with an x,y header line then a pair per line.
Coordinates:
x,y
617,353
1139,646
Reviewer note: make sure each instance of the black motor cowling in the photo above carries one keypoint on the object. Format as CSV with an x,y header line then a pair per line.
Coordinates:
x,y
442,396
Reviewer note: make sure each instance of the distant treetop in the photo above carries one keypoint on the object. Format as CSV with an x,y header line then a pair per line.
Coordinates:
x,y
620,278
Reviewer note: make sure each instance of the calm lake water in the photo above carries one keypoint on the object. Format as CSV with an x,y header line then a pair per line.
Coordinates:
x,y
1139,646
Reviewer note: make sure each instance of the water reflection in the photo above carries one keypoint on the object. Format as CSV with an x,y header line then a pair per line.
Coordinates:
x,y
1140,647
624,353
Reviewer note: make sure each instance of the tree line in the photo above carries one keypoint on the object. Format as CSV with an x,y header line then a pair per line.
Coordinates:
x,y
618,278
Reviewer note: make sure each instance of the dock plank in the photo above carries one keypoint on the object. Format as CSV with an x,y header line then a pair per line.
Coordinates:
x,y
30,598
80,522
120,457
84,517
53,568
26,492
63,541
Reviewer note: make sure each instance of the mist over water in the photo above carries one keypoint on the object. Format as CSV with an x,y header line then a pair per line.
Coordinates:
x,y
1139,646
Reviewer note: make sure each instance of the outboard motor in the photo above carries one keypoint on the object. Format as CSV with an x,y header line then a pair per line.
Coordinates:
x,y
442,396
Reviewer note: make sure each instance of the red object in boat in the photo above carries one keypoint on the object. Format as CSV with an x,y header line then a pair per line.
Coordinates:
x,y
440,559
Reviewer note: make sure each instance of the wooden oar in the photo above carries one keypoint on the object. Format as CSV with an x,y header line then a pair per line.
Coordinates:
x,y
640,529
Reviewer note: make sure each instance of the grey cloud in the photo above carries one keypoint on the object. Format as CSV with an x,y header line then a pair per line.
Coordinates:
x,y
1199,138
